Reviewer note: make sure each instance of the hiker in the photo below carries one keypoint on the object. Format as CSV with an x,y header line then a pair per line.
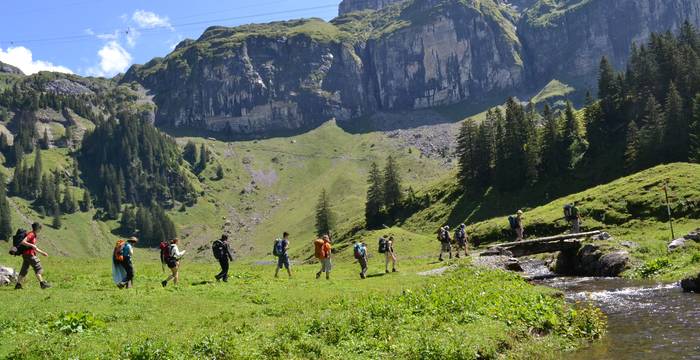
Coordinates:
x,y
29,258
173,261
389,255
118,270
516,222
126,263
572,215
445,241
323,254
280,250
461,239
360,252
222,253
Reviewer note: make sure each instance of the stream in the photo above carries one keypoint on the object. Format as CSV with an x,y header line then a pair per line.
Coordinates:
x,y
645,320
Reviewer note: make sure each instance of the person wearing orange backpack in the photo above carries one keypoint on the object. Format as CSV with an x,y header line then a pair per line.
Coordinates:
x,y
123,258
323,254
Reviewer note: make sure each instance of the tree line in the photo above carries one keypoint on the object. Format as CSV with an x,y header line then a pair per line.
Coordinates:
x,y
644,116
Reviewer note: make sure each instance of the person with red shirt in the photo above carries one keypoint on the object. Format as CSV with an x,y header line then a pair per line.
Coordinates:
x,y
29,258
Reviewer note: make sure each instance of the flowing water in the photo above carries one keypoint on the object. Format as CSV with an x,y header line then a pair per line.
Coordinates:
x,y
645,320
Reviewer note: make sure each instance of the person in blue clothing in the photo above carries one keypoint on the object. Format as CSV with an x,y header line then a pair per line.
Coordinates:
x,y
127,264
281,248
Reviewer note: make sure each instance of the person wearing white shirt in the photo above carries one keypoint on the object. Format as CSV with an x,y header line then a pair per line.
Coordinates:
x,y
173,262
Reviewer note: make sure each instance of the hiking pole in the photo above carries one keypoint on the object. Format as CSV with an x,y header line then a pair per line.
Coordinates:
x,y
668,208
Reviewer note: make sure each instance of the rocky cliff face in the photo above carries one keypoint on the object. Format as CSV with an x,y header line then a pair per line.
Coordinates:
x,y
9,69
262,80
348,6
567,41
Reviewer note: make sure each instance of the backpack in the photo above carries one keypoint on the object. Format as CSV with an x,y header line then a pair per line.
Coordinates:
x,y
119,250
382,246
513,221
568,211
359,252
441,235
218,249
17,249
164,251
278,248
460,234
318,249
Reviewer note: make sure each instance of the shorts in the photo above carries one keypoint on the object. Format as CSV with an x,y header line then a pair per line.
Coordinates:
x,y
326,265
172,263
283,261
461,244
33,261
446,247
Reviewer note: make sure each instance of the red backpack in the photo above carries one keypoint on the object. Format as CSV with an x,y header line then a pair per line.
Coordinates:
x,y
164,251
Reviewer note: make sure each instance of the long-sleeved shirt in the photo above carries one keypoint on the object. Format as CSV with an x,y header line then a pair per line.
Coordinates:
x,y
175,251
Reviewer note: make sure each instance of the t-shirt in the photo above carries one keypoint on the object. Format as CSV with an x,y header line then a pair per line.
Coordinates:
x,y
126,252
31,238
285,244
574,212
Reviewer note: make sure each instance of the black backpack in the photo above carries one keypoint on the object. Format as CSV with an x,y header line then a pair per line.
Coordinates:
x,y
218,249
278,248
18,249
568,211
382,246
513,221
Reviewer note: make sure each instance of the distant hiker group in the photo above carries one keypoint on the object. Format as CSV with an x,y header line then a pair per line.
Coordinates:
x,y
446,241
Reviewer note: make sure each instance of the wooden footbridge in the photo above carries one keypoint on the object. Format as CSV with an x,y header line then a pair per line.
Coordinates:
x,y
570,242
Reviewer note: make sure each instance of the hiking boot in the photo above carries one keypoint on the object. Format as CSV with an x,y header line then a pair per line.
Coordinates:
x,y
18,286
224,279
44,285
164,283
362,276
318,275
121,285
393,270
386,271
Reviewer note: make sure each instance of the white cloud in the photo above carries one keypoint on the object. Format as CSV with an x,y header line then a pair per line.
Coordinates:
x,y
131,36
149,20
113,60
22,58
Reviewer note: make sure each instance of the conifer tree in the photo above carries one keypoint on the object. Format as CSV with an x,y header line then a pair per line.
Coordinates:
x,y
483,155
572,140
68,205
203,158
650,134
5,212
324,214
392,185
466,153
57,223
37,174
551,143
694,153
45,140
190,153
632,147
69,136
16,185
128,221
675,137
219,172
86,204
375,197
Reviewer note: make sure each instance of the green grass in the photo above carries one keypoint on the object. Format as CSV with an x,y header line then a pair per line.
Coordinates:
x,y
554,89
469,313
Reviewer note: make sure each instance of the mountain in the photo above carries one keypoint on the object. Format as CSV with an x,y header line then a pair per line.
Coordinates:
x,y
9,69
277,78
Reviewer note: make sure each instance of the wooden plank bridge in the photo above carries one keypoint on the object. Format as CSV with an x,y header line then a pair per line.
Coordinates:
x,y
542,245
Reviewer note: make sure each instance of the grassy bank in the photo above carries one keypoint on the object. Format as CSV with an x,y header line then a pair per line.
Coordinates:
x,y
468,313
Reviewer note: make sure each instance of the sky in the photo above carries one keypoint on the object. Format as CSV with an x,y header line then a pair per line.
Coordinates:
x,y
105,37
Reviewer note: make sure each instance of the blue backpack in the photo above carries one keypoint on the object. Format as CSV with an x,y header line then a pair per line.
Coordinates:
x,y
513,221
359,251
278,249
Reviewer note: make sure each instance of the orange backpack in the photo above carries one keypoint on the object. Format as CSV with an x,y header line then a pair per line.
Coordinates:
x,y
319,252
119,250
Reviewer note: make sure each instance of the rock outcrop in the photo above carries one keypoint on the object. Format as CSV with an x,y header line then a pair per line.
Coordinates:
x,y
7,276
590,260
9,69
691,284
264,80
348,6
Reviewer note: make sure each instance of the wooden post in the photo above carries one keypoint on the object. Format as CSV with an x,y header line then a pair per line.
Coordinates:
x,y
668,208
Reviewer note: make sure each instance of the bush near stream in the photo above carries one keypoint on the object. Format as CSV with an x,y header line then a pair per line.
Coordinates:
x,y
468,313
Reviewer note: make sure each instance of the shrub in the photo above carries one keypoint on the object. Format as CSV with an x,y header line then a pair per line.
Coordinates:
x,y
75,323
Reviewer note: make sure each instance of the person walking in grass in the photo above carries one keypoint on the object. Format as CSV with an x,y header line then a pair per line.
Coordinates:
x,y
573,216
127,263
173,262
29,258
390,255
461,239
280,250
360,252
222,253
445,241
323,250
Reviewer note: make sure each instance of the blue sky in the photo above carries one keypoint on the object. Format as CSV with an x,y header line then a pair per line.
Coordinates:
x,y
104,37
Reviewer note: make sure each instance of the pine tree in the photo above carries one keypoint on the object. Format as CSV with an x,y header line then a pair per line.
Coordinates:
x,y
324,214
466,153
551,144
17,179
650,134
37,174
375,198
632,147
68,205
190,153
219,172
483,155
128,221
57,223
572,140
694,153
5,212
675,137
45,140
86,204
392,185
69,136
203,158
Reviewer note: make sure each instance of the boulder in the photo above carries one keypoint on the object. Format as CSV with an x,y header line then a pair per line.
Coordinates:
x,y
691,284
676,244
613,264
7,276
695,236
590,260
